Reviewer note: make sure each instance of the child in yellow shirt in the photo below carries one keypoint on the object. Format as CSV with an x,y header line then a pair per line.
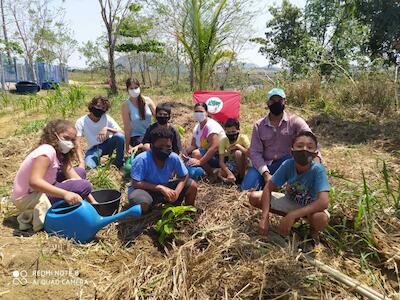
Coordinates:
x,y
233,151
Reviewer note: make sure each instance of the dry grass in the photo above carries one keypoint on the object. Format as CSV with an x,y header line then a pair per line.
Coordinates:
x,y
219,255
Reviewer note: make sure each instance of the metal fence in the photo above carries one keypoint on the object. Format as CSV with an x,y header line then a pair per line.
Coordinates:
x,y
19,70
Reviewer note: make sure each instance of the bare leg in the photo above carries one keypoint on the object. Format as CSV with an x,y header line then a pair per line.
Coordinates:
x,y
318,222
240,160
191,194
255,198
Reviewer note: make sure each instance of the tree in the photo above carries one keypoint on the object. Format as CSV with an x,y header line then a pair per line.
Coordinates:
x,y
383,19
94,60
34,22
113,12
203,37
287,41
135,31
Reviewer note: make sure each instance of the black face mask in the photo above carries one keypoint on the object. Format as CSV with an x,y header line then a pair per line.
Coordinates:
x,y
232,137
97,112
276,108
303,157
161,153
162,120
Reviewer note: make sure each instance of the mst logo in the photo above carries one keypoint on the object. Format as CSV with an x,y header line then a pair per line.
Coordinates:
x,y
214,105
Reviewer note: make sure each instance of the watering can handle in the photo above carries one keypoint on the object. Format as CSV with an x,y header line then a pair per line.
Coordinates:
x,y
56,210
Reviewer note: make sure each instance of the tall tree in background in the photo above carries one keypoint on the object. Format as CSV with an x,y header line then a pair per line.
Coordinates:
x,y
287,41
383,19
203,37
135,31
113,12
33,20
93,58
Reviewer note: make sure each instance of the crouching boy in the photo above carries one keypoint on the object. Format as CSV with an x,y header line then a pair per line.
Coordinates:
x,y
307,190
152,172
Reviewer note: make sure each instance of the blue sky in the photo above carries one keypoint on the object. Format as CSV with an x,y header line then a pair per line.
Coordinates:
x,y
86,23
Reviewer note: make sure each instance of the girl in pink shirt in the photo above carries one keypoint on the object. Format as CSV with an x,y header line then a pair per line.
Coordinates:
x,y
46,175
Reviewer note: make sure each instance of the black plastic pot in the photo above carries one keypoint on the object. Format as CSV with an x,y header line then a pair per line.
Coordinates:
x,y
108,201
26,87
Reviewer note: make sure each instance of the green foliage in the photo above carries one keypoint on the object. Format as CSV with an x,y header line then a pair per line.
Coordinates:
x,y
137,26
171,216
101,177
93,57
66,103
382,17
31,127
203,38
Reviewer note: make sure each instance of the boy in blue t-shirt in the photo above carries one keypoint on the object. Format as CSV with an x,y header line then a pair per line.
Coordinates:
x,y
151,174
307,189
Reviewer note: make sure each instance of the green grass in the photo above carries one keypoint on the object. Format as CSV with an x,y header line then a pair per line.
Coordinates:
x,y
31,127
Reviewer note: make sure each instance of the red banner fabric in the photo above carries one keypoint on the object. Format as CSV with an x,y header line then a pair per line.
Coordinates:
x,y
222,105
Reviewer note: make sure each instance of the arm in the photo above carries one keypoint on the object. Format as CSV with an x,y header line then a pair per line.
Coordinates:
x,y
318,205
79,152
152,106
70,172
39,184
256,152
192,147
169,194
181,185
265,205
127,125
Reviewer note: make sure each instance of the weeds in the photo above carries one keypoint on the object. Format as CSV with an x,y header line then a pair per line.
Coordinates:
x,y
102,177
31,127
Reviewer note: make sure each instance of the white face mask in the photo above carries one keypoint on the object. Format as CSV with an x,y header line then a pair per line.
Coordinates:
x,y
64,145
199,116
134,92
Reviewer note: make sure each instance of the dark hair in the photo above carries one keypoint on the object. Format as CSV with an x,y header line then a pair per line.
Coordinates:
x,y
307,134
232,122
49,136
201,104
163,107
97,99
141,102
160,133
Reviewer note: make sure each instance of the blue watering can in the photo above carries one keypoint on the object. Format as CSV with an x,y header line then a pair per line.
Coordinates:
x,y
81,221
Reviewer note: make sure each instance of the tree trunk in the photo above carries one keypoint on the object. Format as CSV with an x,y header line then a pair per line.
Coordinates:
x,y
191,78
3,18
142,70
147,68
111,63
177,62
130,66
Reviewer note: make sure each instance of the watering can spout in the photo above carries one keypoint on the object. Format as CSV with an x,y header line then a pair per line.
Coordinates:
x,y
135,211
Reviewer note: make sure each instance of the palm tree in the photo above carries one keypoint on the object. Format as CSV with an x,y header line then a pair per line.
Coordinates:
x,y
203,36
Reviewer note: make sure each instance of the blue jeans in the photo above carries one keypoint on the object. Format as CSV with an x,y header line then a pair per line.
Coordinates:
x,y
254,180
116,142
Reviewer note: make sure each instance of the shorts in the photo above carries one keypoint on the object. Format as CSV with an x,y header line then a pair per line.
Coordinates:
x,y
136,140
138,196
281,203
213,161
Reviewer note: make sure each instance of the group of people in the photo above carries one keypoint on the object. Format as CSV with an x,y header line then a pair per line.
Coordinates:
x,y
282,152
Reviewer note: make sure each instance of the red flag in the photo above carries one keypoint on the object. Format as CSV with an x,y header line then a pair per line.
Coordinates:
x,y
222,105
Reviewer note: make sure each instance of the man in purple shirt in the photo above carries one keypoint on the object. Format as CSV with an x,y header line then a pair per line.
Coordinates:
x,y
271,140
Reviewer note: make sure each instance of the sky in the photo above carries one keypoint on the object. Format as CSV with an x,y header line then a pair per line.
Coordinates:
x,y
86,23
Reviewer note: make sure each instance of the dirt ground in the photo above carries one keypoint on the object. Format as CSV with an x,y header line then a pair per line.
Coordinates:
x,y
219,255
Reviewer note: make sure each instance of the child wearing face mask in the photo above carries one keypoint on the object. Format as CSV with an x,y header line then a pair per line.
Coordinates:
x,y
37,184
163,116
102,133
233,151
152,175
136,115
307,189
